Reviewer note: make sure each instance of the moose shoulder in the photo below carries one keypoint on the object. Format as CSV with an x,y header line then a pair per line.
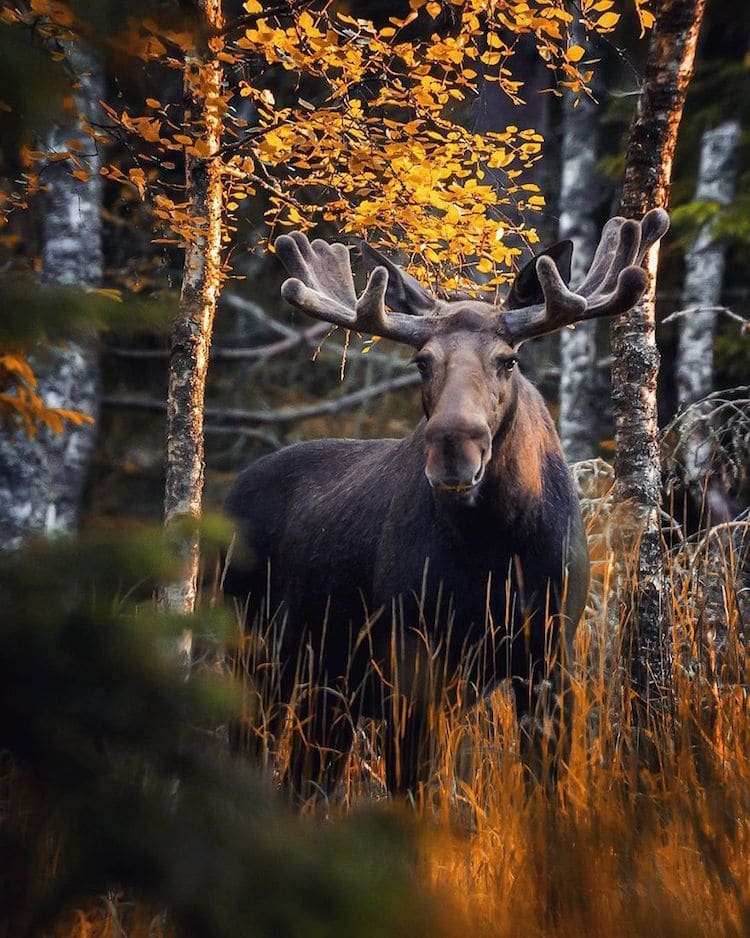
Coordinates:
x,y
465,537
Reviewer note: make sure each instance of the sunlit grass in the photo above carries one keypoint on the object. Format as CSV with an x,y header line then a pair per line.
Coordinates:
x,y
114,916
647,829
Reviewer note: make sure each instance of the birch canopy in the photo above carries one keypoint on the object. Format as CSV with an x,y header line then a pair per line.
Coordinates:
x,y
326,116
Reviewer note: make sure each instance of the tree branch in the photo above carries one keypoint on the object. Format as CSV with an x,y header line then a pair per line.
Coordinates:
x,y
221,353
271,417
292,341
724,310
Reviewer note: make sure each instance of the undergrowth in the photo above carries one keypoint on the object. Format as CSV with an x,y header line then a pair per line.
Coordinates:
x,y
646,831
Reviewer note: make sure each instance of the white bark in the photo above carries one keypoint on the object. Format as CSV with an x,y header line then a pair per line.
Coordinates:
x,y
42,479
191,335
704,266
578,222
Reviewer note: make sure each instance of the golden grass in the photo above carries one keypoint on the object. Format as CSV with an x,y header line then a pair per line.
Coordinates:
x,y
647,830
113,916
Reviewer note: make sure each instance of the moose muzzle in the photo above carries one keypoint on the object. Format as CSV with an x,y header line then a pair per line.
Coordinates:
x,y
457,454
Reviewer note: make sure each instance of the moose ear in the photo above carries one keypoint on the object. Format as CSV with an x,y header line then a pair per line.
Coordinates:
x,y
526,289
404,294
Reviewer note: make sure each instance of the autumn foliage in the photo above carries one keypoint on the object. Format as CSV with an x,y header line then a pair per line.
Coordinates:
x,y
328,117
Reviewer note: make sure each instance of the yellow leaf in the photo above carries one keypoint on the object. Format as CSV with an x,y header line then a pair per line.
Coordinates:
x,y
200,148
19,366
51,419
575,53
74,416
252,6
152,102
138,178
608,20
81,175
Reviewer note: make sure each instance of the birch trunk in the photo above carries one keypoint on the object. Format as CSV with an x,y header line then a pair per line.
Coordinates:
x,y
648,172
704,266
191,334
578,222
42,479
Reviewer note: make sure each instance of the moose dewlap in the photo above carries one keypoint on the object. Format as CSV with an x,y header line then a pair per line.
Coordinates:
x,y
392,573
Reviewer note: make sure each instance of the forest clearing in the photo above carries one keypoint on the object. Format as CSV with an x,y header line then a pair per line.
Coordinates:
x,y
374,468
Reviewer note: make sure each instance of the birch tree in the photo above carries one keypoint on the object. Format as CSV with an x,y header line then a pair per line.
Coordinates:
x,y
704,265
648,173
42,475
202,276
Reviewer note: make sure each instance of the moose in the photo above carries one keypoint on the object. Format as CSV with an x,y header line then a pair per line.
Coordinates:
x,y
398,564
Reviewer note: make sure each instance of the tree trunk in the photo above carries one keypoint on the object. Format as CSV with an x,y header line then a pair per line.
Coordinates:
x,y
42,479
578,222
191,334
648,171
704,266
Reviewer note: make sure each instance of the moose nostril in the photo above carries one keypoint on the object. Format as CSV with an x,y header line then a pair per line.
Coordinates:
x,y
478,475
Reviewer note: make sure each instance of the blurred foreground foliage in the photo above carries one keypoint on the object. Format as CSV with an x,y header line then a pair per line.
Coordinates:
x,y
39,319
34,312
115,776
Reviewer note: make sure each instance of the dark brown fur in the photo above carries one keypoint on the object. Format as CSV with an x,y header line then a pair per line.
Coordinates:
x,y
355,534
397,564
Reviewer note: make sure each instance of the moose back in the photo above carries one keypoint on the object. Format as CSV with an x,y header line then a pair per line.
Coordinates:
x,y
392,570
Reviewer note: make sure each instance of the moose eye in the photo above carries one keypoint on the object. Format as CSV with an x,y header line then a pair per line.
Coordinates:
x,y
422,364
505,364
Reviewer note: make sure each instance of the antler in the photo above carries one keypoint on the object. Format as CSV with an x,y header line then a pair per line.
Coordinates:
x,y
614,284
322,285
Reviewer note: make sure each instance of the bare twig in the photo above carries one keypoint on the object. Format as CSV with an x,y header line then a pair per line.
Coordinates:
x,y
723,310
291,341
262,436
269,417
243,305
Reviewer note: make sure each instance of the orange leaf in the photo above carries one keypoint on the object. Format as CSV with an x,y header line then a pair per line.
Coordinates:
x,y
608,20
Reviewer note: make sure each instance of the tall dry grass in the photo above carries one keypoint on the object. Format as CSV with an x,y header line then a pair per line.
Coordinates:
x,y
646,831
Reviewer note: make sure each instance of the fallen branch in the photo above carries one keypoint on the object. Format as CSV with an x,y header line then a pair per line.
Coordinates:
x,y
288,415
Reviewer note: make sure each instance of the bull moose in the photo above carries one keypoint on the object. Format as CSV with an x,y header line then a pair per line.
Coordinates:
x,y
461,544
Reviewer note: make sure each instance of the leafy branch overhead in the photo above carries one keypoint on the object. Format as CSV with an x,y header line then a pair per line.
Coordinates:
x,y
378,145
323,116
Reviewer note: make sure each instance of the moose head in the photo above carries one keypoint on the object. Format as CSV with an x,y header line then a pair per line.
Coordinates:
x,y
466,351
